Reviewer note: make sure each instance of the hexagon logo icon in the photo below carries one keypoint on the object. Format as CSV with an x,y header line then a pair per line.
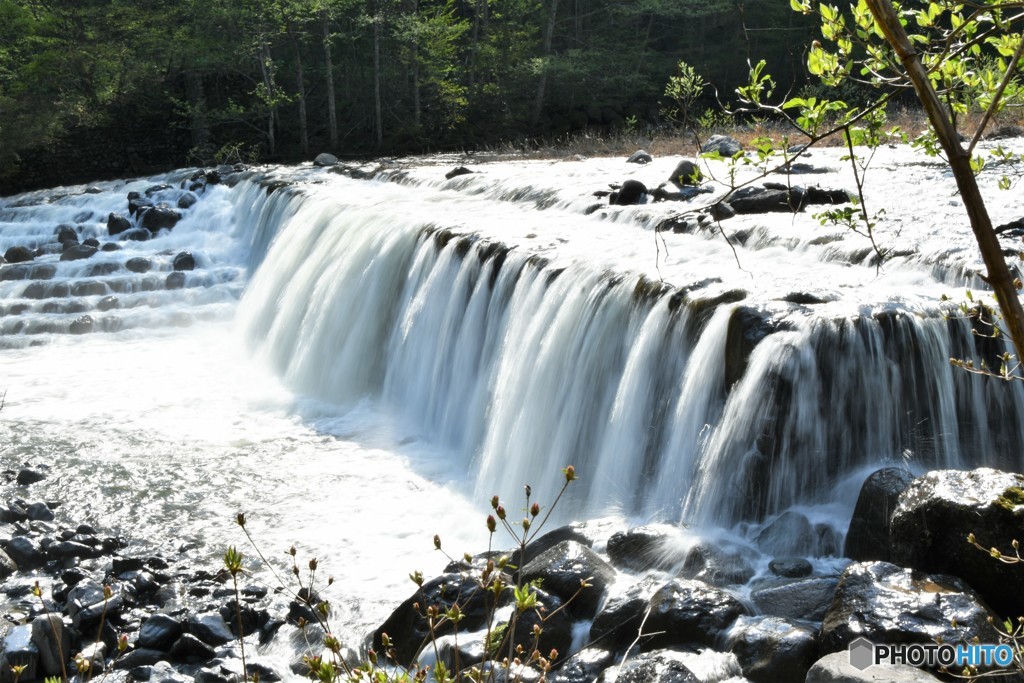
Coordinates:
x,y
862,654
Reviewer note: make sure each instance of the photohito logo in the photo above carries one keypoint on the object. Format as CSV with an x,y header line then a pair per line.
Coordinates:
x,y
864,653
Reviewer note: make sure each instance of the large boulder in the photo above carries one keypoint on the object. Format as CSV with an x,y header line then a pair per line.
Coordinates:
x,y
673,666
686,173
18,255
325,159
791,533
640,157
77,252
724,145
938,512
808,599
889,604
685,612
116,224
618,623
632,192
772,649
868,537
751,199
718,565
159,218
563,568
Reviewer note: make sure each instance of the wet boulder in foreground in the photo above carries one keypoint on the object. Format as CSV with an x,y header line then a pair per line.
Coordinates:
x,y
18,255
836,668
889,604
116,224
686,172
937,513
773,649
632,192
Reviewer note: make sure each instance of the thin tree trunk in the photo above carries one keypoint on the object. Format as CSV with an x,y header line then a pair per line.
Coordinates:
x,y
416,67
999,276
378,112
199,124
332,110
267,72
549,33
301,87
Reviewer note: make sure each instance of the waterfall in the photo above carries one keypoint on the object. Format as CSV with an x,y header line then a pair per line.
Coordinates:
x,y
670,406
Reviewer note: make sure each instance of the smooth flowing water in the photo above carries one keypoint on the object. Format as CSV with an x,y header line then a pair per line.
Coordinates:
x,y
359,364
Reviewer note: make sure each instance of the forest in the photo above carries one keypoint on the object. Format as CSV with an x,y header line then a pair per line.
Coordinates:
x,y
103,88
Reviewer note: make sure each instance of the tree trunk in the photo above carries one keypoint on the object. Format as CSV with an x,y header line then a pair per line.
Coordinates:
x,y
549,33
199,124
301,89
416,67
999,276
267,72
377,110
332,110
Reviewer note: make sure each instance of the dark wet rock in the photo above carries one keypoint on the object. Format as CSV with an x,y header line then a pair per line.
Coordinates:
x,y
139,264
632,192
751,200
53,642
156,189
667,192
325,159
790,567
39,512
77,252
717,565
82,325
103,269
29,475
406,626
821,195
686,612
137,658
159,218
721,211
640,157
555,622
136,235
191,650
117,224
66,233
66,549
748,327
175,280
938,511
210,628
584,666
159,632
618,623
110,246
889,604
107,303
187,200
91,242
184,261
808,599
25,552
800,168
675,666
561,570
726,146
14,272
19,255
655,546
686,173
771,649
868,536
88,288
788,534
137,204
836,668
455,172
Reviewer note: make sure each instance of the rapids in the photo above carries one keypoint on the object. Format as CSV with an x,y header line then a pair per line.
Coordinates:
x,y
359,364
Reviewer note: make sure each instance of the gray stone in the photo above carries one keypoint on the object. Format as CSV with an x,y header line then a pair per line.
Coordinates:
x,y
191,650
640,157
563,567
210,628
175,280
727,146
53,642
788,534
159,632
7,565
325,159
836,668
25,552
40,512
116,224
653,546
790,567
184,261
139,264
685,612
718,565
808,599
77,252
686,173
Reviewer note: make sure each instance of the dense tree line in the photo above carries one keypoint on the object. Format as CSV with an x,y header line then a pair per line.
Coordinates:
x,y
284,78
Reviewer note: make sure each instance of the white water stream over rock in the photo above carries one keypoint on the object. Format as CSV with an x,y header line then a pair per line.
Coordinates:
x,y
359,364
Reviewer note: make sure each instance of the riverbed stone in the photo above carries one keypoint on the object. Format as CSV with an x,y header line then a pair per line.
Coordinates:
x,y
175,280
685,612
28,475
632,192
836,668
19,650
53,641
791,567
584,666
791,533
937,513
159,218
724,145
325,159
773,649
190,649
159,632
653,546
686,172
889,604
117,224
718,564
184,261
139,264
25,552
640,156
807,599
210,628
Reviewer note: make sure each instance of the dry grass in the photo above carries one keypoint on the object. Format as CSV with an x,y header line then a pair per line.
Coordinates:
x,y
676,143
